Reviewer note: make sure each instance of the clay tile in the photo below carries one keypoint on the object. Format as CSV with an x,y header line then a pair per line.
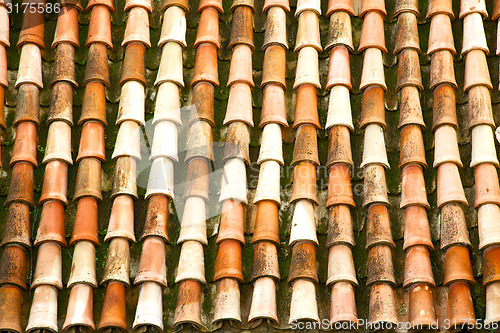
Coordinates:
x,y
368,6
374,148
97,65
191,263
468,7
193,225
170,69
268,4
83,268
74,3
85,221
373,69
474,36
410,110
263,301
268,186
373,107
265,261
197,179
4,76
449,185
237,142
227,301
27,106
378,226
188,307
48,270
483,146
339,71
55,182
446,146
492,293
208,28
180,3
303,305
496,11
340,227
440,7
80,307
306,145
241,66
17,225
409,70
275,33
417,231
382,307
307,68
152,267
375,186
30,66
273,106
418,267
339,108
121,220
94,103
266,223
421,301
308,32
308,5
239,105
232,222
490,268
274,66
21,188
137,27
67,27
58,145
453,226
4,26
25,144
380,268
303,264
488,230
460,307
167,106
229,262
406,6
205,64
88,179
412,146
100,27
107,3
117,262
32,31
133,64
339,186
202,104
476,70
340,6
247,3
304,182
43,313
113,313
339,146
234,184
303,223
479,107
146,4
13,266
444,107
149,310
11,299
174,27
457,265
92,141
372,33
242,27
156,218
124,180
407,33
341,265
486,185
128,140
199,143
164,141
340,31
306,108
343,303
441,35
271,147
51,225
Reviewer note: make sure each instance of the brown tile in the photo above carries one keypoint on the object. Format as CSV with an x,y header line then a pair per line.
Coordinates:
x,y
17,225
416,228
64,65
460,307
304,182
202,104
303,264
156,218
266,223
51,225
373,107
247,3
486,185
382,307
344,6
275,33
375,185
372,33
88,179
306,145
339,186
479,107
188,307
55,182
440,7
197,179
146,4
13,266
409,70
421,301
181,3
4,76
208,28
100,27
340,226
406,6
378,227
152,267
239,104
92,141
137,27
444,109
457,265
97,65
21,188
413,187
27,106
85,221
407,32
496,11
113,313
441,35
242,27
94,103
67,27
265,261
25,144
11,299
133,64
61,103
491,262
273,106
340,31
107,3
32,30
306,107
80,307
410,110
380,267
343,303
227,301
48,270
241,66
4,27
124,180
231,225
308,32
206,65
418,267
341,265
117,263
229,261
121,220
274,66
449,185
339,70
339,146
368,6
75,3
453,226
